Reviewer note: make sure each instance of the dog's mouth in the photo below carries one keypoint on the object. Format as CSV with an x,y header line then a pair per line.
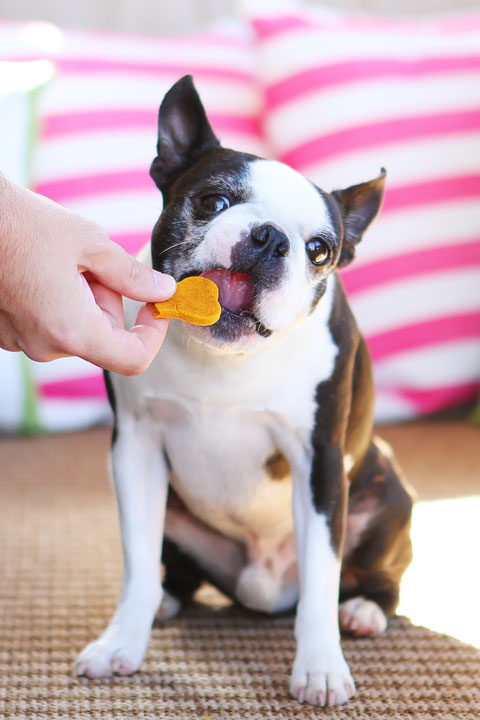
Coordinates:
x,y
235,290
236,295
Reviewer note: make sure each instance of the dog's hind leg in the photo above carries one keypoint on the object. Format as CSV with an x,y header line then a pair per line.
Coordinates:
x,y
181,579
377,547
193,551
269,581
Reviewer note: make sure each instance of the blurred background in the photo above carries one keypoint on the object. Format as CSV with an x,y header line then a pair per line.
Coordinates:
x,y
147,16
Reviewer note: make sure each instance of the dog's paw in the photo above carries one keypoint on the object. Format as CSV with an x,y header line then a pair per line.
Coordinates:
x,y
320,682
359,616
102,659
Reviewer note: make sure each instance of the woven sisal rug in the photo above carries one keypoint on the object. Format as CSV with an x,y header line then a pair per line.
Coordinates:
x,y
60,573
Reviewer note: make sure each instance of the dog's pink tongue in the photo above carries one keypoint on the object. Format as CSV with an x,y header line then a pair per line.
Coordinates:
x,y
235,290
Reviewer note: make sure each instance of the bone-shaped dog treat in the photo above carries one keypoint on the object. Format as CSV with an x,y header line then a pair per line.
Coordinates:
x,y
195,301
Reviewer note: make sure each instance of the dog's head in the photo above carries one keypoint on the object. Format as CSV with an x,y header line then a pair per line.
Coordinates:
x,y
262,232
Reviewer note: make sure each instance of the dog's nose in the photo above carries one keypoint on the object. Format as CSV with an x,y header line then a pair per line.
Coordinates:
x,y
268,237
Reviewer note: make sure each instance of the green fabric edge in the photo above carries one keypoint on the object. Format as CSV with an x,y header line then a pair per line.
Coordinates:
x,y
475,416
30,424
33,129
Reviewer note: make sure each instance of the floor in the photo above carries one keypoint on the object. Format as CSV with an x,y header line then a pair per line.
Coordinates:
x,y
60,568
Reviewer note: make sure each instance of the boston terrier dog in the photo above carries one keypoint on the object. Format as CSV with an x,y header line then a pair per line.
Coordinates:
x,y
246,450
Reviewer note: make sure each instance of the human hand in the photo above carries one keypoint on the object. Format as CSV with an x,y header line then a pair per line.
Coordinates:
x,y
61,286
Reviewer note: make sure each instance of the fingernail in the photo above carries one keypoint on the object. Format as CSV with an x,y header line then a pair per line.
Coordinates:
x,y
166,283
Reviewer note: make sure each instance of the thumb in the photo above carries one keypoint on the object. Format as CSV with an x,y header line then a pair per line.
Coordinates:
x,y
118,270
129,352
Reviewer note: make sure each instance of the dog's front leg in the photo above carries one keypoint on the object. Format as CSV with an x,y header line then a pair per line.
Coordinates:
x,y
320,675
140,478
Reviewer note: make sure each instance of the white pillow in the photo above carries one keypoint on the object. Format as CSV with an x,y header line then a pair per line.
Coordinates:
x,y
18,83
347,94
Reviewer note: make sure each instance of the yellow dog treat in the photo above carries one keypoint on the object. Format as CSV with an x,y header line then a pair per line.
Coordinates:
x,y
195,301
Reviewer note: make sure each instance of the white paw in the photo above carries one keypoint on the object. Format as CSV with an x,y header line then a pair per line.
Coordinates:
x,y
170,607
107,656
322,681
359,616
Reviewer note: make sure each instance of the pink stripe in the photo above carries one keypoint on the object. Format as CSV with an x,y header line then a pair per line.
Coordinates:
x,y
465,21
411,264
79,388
208,39
268,27
424,334
121,181
132,242
97,65
92,121
276,25
173,71
361,137
435,399
431,193
221,37
65,123
203,39
326,76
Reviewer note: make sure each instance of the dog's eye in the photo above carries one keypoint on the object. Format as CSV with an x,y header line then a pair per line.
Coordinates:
x,y
318,251
215,203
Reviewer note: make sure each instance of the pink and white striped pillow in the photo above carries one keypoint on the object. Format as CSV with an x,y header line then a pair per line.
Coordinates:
x,y
97,136
345,95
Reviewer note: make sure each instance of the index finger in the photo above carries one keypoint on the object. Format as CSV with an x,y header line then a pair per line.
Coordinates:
x,y
114,267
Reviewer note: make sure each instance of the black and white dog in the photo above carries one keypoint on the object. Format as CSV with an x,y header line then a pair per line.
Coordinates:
x,y
268,409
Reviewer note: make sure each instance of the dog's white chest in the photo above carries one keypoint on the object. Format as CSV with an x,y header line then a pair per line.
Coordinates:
x,y
220,467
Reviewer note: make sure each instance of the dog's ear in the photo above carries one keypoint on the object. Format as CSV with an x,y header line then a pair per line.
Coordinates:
x,y
184,132
358,206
